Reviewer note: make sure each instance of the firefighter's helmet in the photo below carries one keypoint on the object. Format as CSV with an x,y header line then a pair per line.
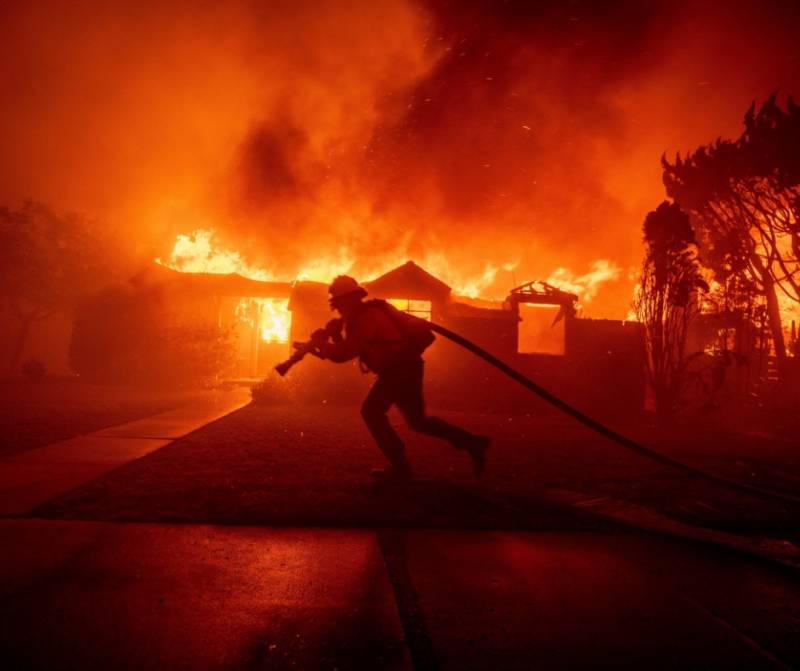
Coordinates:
x,y
345,286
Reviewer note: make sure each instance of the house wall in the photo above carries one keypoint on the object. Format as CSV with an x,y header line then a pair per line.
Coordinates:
x,y
601,371
498,335
609,357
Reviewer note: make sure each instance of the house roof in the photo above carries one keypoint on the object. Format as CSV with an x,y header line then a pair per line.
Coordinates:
x,y
231,284
408,281
309,295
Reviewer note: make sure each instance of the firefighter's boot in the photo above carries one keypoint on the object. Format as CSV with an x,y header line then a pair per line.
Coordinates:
x,y
476,447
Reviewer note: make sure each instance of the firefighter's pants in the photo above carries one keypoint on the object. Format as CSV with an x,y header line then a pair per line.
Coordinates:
x,y
401,385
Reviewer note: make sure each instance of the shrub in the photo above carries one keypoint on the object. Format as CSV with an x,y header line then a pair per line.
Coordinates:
x,y
124,336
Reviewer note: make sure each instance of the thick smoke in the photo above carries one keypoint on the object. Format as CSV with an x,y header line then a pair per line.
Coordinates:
x,y
517,133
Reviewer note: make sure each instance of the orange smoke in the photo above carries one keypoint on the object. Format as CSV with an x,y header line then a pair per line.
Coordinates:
x,y
490,142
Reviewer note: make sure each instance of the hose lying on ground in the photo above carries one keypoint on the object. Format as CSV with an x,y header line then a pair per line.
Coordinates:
x,y
596,426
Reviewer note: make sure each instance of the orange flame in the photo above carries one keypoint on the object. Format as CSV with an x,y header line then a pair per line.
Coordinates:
x,y
276,320
585,286
200,253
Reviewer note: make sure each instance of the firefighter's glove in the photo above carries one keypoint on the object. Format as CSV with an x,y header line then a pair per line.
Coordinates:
x,y
319,338
317,341
334,329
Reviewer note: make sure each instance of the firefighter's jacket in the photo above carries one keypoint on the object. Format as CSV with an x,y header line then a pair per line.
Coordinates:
x,y
372,336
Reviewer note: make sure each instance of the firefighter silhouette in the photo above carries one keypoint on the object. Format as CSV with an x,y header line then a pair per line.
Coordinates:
x,y
389,343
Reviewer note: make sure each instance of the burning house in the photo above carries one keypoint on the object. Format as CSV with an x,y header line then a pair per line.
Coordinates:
x,y
255,312
536,329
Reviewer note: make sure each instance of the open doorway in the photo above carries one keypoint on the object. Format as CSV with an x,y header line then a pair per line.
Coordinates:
x,y
262,327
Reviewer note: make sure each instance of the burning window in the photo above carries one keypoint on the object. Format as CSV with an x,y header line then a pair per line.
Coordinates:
x,y
271,316
421,309
276,320
539,332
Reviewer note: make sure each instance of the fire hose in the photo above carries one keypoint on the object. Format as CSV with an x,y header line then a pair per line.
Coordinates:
x,y
302,349
332,330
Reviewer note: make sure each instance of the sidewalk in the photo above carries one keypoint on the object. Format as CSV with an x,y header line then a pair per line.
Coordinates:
x,y
33,477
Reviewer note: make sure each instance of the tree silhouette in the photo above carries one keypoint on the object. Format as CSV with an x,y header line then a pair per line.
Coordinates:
x,y
666,301
47,263
744,199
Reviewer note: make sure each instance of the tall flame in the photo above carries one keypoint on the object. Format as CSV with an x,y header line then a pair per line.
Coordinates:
x,y
585,286
199,252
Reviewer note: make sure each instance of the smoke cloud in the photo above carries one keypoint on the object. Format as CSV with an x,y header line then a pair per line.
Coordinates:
x,y
519,136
